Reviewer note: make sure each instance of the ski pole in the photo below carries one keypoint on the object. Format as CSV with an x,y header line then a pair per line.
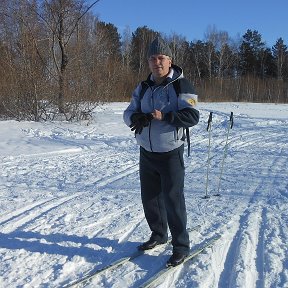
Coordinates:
x,y
209,148
230,125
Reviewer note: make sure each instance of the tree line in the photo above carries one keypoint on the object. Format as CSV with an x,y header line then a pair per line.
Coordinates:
x,y
57,59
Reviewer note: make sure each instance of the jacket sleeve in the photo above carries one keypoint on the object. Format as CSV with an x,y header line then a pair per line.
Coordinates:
x,y
187,115
133,107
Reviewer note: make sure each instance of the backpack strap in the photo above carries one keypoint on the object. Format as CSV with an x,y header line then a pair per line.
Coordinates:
x,y
188,140
144,87
177,88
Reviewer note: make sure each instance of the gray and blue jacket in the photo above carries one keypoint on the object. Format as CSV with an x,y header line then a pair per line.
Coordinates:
x,y
178,110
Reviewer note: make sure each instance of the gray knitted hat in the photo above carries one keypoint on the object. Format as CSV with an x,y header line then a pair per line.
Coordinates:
x,y
159,46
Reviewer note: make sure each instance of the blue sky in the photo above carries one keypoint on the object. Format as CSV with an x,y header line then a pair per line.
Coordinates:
x,y
191,19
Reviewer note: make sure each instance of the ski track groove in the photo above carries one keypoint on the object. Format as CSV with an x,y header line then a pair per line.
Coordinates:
x,y
229,276
260,282
27,216
234,257
127,235
114,215
34,157
24,210
113,178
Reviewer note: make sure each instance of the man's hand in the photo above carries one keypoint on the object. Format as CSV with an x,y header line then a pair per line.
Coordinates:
x,y
158,115
139,121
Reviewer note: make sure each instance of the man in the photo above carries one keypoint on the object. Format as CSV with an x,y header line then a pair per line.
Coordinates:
x,y
158,117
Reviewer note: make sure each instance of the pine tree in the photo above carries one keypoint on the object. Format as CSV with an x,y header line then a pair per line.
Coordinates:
x,y
251,53
279,51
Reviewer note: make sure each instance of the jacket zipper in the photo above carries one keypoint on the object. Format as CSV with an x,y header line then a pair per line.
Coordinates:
x,y
150,141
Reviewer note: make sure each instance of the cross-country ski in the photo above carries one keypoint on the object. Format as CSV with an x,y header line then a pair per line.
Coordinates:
x,y
85,279
164,271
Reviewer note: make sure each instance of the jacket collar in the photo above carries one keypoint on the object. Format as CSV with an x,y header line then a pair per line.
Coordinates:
x,y
175,73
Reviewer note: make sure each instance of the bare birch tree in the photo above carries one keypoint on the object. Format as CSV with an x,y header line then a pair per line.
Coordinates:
x,y
61,18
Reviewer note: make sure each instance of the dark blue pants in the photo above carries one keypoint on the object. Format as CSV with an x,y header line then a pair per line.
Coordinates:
x,y
162,184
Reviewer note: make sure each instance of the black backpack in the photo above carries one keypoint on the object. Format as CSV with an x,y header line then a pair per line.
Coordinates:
x,y
177,88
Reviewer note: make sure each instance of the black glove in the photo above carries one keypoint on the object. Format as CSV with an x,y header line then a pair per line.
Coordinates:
x,y
139,121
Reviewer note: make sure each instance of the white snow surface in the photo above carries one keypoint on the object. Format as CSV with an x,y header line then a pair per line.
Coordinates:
x,y
70,201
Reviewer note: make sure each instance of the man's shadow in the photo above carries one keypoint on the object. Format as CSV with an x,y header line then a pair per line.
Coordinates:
x,y
105,252
94,250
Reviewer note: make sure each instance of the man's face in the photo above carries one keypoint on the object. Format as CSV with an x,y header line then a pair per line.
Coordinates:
x,y
159,65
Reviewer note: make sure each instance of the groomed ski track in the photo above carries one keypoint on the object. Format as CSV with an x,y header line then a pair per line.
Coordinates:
x,y
79,208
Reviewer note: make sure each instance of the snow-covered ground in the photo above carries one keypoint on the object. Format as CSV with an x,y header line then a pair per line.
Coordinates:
x,y
70,201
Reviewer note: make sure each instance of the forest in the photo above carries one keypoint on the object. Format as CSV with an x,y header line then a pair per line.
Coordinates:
x,y
58,60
